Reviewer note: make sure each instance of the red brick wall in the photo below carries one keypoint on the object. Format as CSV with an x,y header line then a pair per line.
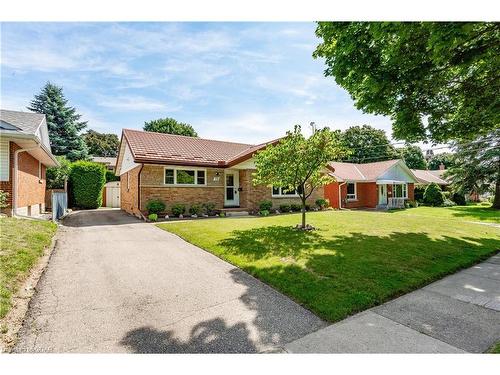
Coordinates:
x,y
129,195
411,192
31,188
366,194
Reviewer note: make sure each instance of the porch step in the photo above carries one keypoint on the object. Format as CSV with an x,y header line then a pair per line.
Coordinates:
x,y
235,211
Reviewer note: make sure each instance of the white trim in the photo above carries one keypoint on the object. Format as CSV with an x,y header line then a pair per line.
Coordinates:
x,y
404,190
236,185
176,168
39,170
355,191
281,195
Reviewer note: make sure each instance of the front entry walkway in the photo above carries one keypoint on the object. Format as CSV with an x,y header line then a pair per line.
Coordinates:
x,y
460,313
117,284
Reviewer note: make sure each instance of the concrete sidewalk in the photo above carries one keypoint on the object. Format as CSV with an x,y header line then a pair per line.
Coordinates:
x,y
458,314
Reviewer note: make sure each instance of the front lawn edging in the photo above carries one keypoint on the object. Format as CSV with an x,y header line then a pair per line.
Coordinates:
x,y
13,321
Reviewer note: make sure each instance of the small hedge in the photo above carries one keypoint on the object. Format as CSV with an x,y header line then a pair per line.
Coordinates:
x,y
296,207
178,209
195,209
110,176
433,195
285,207
87,180
459,199
155,206
265,205
322,203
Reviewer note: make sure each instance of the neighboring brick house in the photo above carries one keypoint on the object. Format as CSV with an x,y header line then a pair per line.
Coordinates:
x,y
188,170
425,177
384,184
24,156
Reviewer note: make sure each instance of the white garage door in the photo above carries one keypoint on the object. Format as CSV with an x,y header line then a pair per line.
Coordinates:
x,y
113,194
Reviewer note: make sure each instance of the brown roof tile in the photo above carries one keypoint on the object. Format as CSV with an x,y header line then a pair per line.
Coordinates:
x,y
177,149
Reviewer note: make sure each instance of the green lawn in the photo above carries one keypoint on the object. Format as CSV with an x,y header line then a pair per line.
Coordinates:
x,y
22,243
468,213
354,260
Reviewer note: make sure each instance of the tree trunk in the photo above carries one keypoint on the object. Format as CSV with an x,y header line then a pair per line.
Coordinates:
x,y
303,212
496,200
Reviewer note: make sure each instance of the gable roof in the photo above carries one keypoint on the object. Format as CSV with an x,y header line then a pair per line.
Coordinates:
x,y
427,177
360,172
108,160
160,148
27,122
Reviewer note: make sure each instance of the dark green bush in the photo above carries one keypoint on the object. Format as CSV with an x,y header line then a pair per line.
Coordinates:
x,y
285,208
322,203
459,199
433,195
178,209
296,207
3,198
153,217
419,193
155,206
110,176
264,212
411,204
265,205
308,207
87,180
57,175
195,209
209,208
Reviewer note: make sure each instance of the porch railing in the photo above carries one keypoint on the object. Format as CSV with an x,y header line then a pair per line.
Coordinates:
x,y
396,202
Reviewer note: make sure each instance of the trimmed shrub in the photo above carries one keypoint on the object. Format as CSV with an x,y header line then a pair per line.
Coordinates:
x,y
195,209
419,193
209,208
411,204
57,175
3,198
322,203
296,207
178,209
459,199
87,180
264,213
285,208
155,206
265,205
433,195
153,217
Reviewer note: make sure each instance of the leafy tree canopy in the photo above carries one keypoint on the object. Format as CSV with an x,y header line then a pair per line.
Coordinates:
x,y
170,126
434,79
56,176
413,157
445,158
63,122
477,166
101,144
297,163
367,144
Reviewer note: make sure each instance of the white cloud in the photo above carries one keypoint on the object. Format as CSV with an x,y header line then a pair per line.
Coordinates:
x,y
134,103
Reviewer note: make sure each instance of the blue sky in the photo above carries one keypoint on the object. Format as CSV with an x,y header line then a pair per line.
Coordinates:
x,y
245,82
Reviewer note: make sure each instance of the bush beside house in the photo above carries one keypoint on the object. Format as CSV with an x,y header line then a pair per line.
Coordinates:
x,y
87,180
433,195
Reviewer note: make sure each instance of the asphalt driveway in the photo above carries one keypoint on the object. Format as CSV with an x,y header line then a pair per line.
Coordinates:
x,y
116,284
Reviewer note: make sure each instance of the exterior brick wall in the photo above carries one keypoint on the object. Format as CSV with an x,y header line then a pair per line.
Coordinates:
x,y
411,192
31,188
129,193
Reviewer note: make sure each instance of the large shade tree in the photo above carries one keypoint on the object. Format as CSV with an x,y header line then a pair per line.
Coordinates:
x,y
63,122
101,144
413,157
437,81
297,163
367,144
447,159
477,166
170,126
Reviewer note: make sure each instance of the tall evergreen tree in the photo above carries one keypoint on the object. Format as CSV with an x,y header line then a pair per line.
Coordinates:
x,y
63,122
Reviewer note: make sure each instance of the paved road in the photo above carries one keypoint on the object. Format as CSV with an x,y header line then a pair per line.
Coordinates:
x,y
460,313
116,284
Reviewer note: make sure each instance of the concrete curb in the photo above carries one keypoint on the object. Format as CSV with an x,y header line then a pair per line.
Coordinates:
x,y
22,298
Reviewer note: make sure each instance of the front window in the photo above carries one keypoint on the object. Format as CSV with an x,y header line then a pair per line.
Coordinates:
x,y
181,176
400,191
284,192
351,190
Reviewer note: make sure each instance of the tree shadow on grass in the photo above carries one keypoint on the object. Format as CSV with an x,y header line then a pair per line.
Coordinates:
x,y
476,213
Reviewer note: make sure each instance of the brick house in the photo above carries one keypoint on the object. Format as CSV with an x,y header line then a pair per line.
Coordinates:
x,y
188,170
24,156
384,184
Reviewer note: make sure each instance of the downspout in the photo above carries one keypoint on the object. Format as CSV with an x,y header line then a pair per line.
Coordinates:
x,y
139,191
14,180
340,194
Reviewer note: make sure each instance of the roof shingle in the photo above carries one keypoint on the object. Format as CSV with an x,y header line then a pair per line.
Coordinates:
x,y
27,122
361,172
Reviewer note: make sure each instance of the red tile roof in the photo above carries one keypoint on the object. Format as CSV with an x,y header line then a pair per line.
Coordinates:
x,y
360,172
151,147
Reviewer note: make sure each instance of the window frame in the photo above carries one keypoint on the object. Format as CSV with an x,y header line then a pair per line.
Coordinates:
x,y
404,190
281,195
195,169
355,198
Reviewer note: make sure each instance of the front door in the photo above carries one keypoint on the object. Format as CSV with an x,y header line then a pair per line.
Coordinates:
x,y
382,194
232,196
